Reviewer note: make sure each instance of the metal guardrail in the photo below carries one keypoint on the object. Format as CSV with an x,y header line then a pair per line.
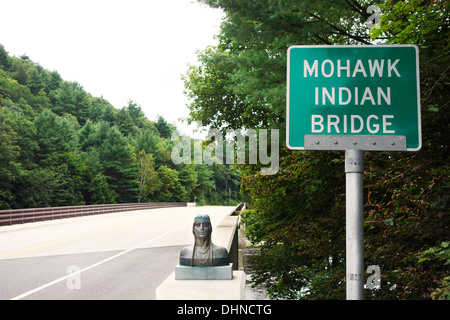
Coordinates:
x,y
16,216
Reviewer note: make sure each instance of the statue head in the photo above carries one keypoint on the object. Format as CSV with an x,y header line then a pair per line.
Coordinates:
x,y
203,252
202,227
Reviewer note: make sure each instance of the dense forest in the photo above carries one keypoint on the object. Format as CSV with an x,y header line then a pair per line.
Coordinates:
x,y
61,146
297,217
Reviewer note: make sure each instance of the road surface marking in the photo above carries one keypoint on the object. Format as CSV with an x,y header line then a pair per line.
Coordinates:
x,y
52,243
97,264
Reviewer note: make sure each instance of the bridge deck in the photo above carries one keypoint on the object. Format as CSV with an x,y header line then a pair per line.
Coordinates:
x,y
117,256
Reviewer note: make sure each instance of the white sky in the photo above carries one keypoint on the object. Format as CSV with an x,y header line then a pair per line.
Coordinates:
x,y
118,49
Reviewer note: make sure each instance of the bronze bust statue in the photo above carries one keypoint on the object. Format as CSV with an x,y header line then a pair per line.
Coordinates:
x,y
203,252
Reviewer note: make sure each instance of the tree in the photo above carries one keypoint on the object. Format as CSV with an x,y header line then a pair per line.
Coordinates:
x,y
163,153
21,69
93,134
205,184
408,195
54,81
298,213
301,218
171,189
25,133
61,146
71,98
118,160
125,122
148,177
136,113
54,134
26,109
11,90
9,164
165,130
242,81
148,140
102,110
71,172
208,90
100,192
37,80
4,59
36,188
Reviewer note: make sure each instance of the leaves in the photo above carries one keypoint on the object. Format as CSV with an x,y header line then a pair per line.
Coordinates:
x,y
61,146
149,179
298,215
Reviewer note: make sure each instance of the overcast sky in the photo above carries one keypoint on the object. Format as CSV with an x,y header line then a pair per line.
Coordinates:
x,y
121,50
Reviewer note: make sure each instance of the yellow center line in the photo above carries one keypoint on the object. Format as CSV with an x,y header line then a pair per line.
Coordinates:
x,y
52,243
98,263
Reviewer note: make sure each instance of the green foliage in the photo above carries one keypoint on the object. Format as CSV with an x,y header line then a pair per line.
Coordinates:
x,y
71,98
54,135
5,62
165,130
149,178
441,254
100,192
208,90
412,191
69,170
118,160
171,188
297,216
417,22
9,159
61,146
242,81
205,186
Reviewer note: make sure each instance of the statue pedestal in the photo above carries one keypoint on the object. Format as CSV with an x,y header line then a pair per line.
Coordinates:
x,y
171,289
204,273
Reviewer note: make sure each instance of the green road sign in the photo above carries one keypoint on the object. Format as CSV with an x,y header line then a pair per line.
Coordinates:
x,y
341,97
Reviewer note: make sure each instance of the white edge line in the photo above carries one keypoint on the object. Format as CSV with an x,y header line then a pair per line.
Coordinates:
x,y
23,295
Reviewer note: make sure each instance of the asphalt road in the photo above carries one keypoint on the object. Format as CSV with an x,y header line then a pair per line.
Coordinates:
x,y
105,257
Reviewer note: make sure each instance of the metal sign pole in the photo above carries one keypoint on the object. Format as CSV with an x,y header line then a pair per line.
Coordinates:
x,y
354,171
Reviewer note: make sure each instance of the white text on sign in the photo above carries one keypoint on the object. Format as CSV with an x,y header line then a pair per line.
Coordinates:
x,y
342,96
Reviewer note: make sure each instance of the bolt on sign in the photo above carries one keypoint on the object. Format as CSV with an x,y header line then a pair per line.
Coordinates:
x,y
363,97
